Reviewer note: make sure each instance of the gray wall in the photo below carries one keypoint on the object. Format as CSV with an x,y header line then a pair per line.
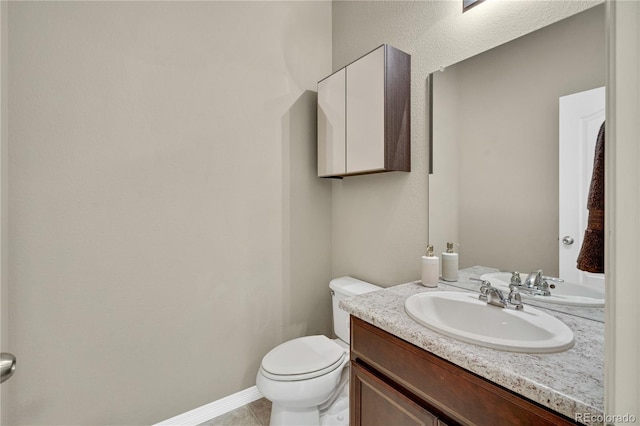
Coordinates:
x,y
166,228
496,138
381,222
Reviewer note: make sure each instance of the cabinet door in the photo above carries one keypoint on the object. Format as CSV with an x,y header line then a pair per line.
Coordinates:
x,y
376,403
365,113
331,125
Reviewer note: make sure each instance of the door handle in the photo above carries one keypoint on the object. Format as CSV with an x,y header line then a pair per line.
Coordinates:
x,y
567,240
7,366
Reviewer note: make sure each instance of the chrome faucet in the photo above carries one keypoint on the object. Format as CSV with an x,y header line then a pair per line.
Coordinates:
x,y
534,281
534,284
495,297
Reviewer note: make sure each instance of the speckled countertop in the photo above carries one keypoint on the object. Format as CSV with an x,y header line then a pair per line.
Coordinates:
x,y
569,382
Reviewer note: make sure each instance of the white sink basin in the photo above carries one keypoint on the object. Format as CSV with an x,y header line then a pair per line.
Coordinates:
x,y
464,317
565,293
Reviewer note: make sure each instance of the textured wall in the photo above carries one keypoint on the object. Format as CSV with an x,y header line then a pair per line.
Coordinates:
x,y
622,177
166,226
380,222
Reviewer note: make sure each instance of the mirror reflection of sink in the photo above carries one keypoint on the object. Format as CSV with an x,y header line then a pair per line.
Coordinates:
x,y
464,317
565,293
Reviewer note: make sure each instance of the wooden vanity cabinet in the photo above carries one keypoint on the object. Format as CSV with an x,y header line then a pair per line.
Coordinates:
x,y
364,116
396,383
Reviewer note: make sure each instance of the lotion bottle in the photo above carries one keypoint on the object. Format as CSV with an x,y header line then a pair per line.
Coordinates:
x,y
450,264
430,266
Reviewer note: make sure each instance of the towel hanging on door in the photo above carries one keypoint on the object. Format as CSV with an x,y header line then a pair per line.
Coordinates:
x,y
591,257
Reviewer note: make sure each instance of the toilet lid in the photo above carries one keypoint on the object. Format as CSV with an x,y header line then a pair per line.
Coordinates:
x,y
302,356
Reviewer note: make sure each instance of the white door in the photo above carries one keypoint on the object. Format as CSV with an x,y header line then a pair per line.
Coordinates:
x,y
581,115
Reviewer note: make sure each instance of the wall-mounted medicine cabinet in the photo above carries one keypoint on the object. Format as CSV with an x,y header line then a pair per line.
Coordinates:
x,y
364,116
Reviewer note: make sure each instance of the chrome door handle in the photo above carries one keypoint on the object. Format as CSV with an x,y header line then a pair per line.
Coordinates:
x,y
567,240
7,366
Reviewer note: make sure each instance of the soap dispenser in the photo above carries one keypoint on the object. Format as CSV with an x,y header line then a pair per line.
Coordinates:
x,y
450,264
430,264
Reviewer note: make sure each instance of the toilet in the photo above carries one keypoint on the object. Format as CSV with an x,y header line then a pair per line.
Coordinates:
x,y
304,375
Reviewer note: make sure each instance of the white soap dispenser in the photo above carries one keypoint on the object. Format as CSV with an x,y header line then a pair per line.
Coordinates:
x,y
430,264
450,264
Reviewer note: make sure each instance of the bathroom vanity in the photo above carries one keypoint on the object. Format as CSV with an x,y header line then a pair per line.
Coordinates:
x,y
394,382
404,373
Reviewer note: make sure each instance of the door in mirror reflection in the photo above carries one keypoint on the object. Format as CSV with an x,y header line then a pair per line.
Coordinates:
x,y
581,115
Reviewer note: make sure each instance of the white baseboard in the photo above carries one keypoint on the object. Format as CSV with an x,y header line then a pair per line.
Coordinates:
x,y
214,409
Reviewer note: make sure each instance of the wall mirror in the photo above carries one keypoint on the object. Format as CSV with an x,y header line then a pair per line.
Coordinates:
x,y
495,182
468,4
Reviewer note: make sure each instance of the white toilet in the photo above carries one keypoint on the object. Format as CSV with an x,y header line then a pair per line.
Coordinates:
x,y
303,375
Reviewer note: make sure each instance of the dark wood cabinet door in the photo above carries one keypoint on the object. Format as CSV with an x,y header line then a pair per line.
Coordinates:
x,y
376,403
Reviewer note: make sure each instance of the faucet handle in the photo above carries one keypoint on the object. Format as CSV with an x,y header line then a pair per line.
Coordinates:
x,y
485,283
484,292
484,288
515,278
515,299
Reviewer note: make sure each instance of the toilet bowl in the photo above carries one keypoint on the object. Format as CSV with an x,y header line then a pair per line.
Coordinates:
x,y
302,375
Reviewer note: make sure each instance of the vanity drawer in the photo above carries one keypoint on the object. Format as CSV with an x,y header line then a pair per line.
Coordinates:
x,y
443,387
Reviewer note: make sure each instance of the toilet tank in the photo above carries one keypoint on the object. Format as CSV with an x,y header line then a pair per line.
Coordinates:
x,y
341,288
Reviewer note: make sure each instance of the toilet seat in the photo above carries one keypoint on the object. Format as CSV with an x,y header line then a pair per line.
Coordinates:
x,y
303,358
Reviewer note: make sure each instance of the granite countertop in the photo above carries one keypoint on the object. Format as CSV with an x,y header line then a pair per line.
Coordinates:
x,y
569,382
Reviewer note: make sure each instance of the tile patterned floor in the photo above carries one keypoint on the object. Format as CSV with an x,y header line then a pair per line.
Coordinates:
x,y
256,413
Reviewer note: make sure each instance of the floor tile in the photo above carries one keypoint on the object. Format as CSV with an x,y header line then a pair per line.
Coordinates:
x,y
242,416
261,408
